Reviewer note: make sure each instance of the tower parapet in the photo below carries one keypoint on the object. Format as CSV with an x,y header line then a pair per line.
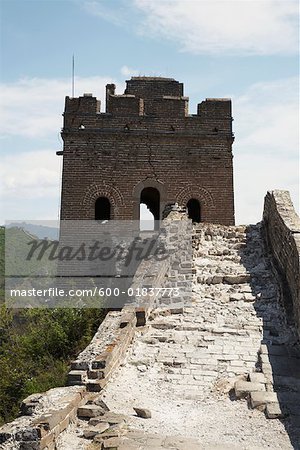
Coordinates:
x,y
149,98
147,148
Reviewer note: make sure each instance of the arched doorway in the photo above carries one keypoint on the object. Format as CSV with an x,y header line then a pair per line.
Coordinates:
x,y
150,197
102,209
194,210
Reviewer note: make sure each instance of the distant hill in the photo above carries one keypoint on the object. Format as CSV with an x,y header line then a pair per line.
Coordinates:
x,y
17,248
40,231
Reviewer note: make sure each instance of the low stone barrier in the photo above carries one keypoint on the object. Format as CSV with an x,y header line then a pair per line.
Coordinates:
x,y
282,232
44,417
96,363
94,366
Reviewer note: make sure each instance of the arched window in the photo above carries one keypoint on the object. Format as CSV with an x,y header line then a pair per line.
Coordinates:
x,y
149,216
102,209
194,210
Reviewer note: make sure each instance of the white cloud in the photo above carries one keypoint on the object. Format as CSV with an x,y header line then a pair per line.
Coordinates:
x,y
30,185
33,107
257,174
223,26
267,144
128,71
30,175
100,9
267,116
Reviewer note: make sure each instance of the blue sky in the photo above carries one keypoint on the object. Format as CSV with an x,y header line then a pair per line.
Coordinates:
x,y
243,49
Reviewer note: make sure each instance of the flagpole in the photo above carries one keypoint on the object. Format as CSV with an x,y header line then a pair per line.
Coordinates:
x,y
73,76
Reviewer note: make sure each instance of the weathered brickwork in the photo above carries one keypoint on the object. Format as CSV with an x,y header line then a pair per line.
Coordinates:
x,y
180,365
147,139
282,230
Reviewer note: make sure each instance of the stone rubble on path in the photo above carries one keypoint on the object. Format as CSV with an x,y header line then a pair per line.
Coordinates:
x,y
193,369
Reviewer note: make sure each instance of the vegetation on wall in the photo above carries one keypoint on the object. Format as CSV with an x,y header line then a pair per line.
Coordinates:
x,y
36,347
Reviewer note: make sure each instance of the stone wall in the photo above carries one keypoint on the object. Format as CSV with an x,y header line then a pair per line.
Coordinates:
x,y
44,416
147,138
158,277
282,232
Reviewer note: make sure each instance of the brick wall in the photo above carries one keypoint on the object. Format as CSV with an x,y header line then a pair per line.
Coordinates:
x,y
146,138
282,231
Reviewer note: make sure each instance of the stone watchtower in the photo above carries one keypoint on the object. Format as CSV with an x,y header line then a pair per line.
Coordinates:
x,y
147,148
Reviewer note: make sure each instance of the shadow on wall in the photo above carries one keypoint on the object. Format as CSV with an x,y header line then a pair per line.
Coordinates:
x,y
279,355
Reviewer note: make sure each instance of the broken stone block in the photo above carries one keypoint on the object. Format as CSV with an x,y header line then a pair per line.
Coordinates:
x,y
116,430
236,297
143,412
96,374
178,310
28,434
273,411
50,420
30,403
94,421
110,433
237,279
99,439
217,279
100,402
225,385
96,385
90,433
248,297
113,418
257,377
79,365
77,377
111,444
259,400
243,388
88,411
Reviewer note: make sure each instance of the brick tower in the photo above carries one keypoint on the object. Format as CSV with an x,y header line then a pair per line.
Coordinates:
x,y
147,148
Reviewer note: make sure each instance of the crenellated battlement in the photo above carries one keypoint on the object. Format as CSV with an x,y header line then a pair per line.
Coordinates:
x,y
82,105
145,100
153,87
124,105
215,108
147,148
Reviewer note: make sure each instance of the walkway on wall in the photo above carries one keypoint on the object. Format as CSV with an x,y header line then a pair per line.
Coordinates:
x,y
194,368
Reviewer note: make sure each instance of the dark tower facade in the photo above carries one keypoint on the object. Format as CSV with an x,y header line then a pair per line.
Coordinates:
x,y
147,148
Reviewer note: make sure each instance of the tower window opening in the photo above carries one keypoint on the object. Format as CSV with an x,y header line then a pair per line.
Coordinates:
x,y
194,210
149,209
102,209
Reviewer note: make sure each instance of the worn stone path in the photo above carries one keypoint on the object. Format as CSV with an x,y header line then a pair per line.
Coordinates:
x,y
183,366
